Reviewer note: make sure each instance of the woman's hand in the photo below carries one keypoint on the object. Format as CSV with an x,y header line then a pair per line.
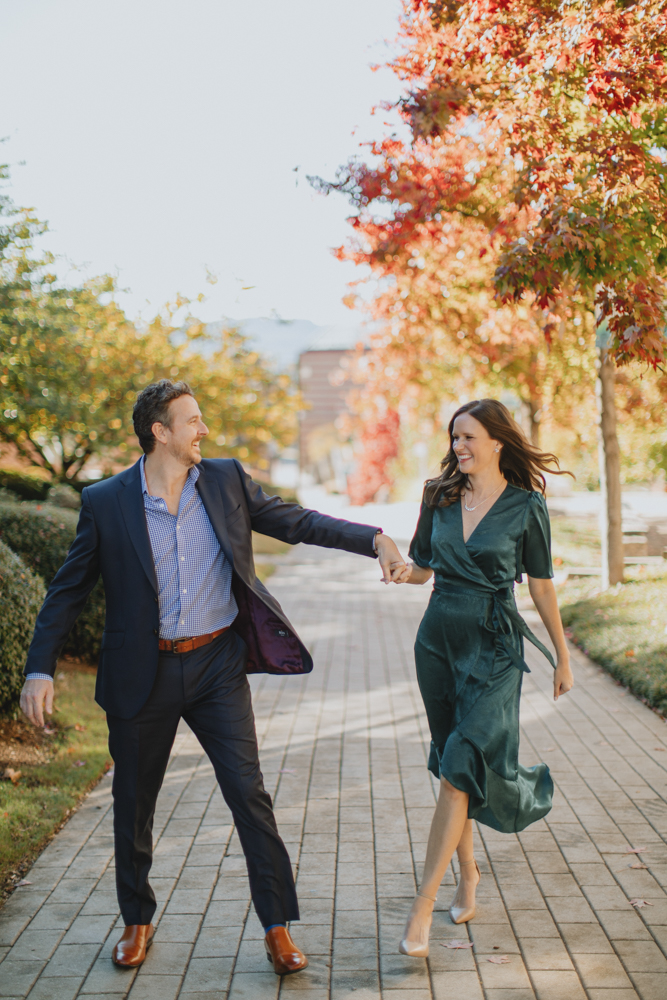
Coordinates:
x,y
563,679
414,574
403,576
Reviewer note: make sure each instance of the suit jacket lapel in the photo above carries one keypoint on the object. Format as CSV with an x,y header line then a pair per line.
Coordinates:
x,y
132,505
209,491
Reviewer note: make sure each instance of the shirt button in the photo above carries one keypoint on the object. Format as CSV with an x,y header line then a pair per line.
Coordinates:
x,y
185,591
182,558
154,631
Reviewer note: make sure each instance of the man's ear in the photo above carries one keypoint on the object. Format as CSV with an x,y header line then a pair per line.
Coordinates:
x,y
159,432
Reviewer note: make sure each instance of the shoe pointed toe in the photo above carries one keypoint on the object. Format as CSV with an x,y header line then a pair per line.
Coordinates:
x,y
413,949
461,914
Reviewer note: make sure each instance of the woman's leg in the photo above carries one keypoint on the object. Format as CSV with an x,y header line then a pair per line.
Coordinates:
x,y
465,892
447,829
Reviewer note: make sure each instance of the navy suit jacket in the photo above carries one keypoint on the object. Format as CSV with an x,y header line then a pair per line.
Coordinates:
x,y
112,540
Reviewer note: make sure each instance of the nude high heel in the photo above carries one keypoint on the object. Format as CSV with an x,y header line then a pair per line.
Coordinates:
x,y
462,914
413,948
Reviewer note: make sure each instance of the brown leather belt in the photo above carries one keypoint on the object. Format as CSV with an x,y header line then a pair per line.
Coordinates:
x,y
187,645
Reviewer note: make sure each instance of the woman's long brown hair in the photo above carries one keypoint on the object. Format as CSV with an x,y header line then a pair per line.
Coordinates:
x,y
521,463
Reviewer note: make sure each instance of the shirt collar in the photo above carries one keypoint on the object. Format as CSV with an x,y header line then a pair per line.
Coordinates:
x,y
193,476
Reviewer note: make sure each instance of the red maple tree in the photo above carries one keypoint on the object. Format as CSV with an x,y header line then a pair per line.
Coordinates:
x,y
539,131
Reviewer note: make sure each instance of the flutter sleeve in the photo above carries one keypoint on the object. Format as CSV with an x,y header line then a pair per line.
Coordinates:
x,y
420,546
534,545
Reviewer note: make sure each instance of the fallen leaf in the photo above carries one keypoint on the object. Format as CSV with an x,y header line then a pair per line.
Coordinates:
x,y
549,749
24,881
659,749
79,728
79,763
639,903
11,775
639,864
603,743
49,732
635,850
499,959
456,943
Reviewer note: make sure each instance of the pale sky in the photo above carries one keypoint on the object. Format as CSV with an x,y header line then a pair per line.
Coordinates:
x,y
159,139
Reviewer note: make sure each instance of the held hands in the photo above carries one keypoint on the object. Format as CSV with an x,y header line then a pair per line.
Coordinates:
x,y
390,559
36,698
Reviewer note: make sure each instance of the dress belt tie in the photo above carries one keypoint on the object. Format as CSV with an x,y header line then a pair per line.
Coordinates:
x,y
503,615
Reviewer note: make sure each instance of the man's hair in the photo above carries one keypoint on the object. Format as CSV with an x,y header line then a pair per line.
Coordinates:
x,y
152,406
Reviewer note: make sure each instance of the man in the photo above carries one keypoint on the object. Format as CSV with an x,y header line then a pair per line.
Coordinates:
x,y
186,619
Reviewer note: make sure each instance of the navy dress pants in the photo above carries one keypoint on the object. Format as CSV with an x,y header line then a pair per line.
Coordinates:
x,y
208,688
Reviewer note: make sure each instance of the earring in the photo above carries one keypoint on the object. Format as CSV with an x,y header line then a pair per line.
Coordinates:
x,y
496,449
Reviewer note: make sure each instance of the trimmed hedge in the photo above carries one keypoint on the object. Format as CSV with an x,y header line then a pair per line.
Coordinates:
x,y
21,596
624,630
42,534
28,486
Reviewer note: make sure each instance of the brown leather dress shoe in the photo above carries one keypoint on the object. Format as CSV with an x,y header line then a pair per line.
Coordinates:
x,y
283,953
133,945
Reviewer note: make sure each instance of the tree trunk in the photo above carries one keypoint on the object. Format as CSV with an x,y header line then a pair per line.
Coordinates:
x,y
530,419
611,528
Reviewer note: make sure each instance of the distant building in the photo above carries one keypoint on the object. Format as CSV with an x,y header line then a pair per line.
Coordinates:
x,y
323,456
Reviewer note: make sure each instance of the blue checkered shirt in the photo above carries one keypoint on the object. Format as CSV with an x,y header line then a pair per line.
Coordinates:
x,y
194,579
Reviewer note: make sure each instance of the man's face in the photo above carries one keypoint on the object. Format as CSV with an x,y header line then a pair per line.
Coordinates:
x,y
182,437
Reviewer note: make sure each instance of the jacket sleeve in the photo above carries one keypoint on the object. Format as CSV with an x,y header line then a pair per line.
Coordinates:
x,y
291,523
66,596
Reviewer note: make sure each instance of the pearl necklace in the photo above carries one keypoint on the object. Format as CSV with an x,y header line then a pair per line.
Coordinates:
x,y
481,501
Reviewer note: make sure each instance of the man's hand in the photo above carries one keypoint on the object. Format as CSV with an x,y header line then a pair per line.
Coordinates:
x,y
390,559
37,697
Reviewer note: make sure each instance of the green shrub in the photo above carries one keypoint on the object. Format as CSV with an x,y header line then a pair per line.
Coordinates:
x,y
284,492
28,485
62,495
625,630
41,535
21,596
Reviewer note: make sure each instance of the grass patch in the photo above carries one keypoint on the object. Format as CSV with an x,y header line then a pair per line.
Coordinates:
x,y
575,541
264,570
623,629
56,769
264,545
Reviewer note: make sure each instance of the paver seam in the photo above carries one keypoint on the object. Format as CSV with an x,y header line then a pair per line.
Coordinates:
x,y
563,792
518,937
603,858
323,684
419,716
401,779
369,752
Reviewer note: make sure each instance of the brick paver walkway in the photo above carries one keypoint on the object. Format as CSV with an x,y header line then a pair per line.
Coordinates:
x,y
343,753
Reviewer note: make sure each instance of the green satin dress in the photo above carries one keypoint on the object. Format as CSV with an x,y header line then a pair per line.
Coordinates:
x,y
469,653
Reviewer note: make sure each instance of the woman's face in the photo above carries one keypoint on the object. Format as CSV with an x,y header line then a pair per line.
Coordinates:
x,y
474,448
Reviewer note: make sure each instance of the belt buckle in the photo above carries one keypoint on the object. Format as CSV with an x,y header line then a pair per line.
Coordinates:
x,y
175,644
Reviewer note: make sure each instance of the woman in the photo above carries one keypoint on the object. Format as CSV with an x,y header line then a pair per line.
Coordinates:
x,y
483,521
